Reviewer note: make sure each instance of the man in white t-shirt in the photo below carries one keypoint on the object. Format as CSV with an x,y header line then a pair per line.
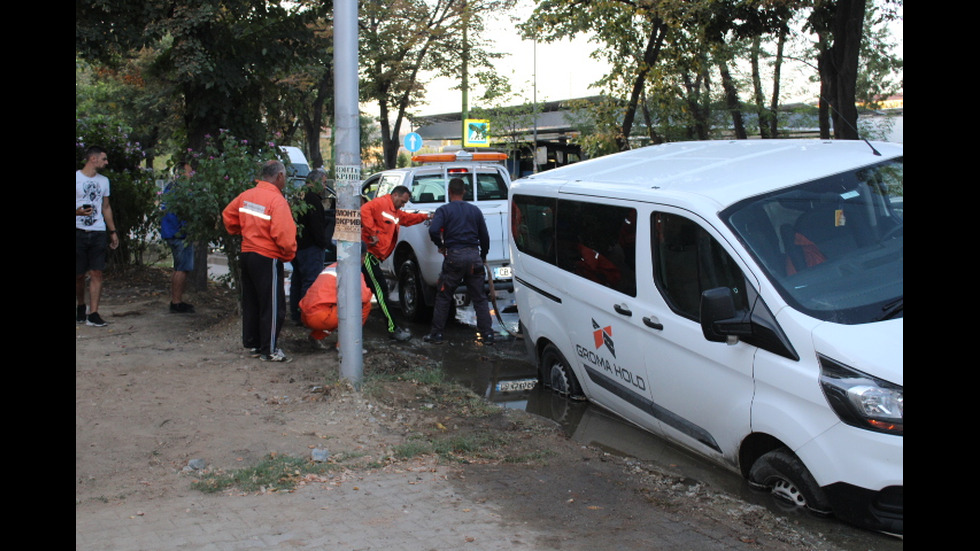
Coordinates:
x,y
95,229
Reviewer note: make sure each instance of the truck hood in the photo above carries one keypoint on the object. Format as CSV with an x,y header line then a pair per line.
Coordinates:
x,y
873,348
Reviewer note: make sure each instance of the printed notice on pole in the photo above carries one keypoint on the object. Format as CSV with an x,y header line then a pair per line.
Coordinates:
x,y
348,225
348,172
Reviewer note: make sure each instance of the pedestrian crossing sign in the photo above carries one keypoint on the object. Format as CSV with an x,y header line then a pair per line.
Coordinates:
x,y
476,133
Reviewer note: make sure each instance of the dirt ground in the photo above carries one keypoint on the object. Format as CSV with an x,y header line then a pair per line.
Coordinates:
x,y
155,391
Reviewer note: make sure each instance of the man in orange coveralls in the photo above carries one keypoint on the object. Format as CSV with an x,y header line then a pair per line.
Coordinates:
x,y
318,307
263,218
380,220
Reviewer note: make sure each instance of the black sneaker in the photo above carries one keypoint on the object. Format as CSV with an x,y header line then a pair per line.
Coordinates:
x,y
486,340
95,320
80,313
433,338
181,308
400,335
277,356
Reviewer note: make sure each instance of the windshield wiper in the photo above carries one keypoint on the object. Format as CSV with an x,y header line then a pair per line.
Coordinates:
x,y
892,309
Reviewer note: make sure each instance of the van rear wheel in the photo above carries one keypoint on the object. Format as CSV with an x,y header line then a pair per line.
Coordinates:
x,y
556,374
788,480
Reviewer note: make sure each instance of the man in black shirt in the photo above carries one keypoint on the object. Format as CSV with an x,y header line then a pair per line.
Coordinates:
x,y
460,232
311,242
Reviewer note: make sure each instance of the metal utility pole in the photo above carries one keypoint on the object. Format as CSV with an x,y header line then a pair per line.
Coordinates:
x,y
465,82
348,173
534,109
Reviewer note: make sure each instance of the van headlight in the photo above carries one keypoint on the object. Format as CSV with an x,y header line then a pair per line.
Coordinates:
x,y
861,400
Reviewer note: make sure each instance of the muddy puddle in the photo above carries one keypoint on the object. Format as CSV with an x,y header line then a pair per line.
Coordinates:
x,y
504,375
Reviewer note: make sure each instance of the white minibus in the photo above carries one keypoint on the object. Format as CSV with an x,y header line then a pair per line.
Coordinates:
x,y
742,299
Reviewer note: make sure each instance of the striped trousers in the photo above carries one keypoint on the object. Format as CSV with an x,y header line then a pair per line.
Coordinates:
x,y
263,301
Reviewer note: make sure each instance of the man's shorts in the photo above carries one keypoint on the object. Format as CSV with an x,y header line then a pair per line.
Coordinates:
x,y
90,250
183,255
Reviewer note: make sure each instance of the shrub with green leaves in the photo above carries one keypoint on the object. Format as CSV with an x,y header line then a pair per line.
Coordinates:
x,y
225,167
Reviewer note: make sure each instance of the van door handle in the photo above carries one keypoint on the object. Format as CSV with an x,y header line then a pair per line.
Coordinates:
x,y
622,309
653,323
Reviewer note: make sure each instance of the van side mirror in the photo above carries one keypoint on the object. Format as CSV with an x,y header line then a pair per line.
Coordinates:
x,y
719,320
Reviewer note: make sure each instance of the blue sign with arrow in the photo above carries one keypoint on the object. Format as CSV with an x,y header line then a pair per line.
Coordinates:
x,y
413,141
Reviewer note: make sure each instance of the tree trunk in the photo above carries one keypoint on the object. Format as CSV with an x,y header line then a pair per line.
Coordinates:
x,y
315,121
848,26
776,73
827,97
758,94
650,56
198,278
731,100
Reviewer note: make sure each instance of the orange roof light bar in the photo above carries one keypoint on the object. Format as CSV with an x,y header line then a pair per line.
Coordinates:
x,y
459,156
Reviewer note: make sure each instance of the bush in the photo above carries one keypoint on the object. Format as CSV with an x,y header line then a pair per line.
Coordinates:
x,y
223,168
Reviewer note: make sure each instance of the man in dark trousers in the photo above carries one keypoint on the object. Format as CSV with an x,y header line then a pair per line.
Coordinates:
x,y
380,219
311,243
460,232
263,218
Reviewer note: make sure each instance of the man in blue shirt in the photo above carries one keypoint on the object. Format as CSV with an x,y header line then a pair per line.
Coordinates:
x,y
172,231
460,232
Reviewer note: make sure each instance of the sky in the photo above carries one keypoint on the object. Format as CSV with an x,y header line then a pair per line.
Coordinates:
x,y
565,70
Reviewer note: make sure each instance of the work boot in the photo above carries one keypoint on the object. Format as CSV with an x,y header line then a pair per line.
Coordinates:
x,y
400,335
433,338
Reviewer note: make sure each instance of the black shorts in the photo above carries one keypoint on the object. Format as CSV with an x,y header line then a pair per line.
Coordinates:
x,y
90,250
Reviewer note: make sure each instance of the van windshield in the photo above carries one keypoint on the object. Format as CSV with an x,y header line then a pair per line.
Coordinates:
x,y
833,247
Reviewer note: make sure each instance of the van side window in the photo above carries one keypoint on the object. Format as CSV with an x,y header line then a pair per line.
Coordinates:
x,y
591,240
532,223
688,261
597,242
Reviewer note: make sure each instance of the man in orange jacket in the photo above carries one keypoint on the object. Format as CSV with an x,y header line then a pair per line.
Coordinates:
x,y
318,308
263,218
380,220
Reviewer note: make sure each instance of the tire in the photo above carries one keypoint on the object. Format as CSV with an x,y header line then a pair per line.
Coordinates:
x,y
556,374
783,474
411,293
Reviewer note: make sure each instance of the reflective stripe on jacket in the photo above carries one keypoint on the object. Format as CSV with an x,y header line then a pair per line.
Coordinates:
x,y
261,215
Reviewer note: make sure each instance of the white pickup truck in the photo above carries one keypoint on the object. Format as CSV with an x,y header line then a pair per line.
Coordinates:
x,y
415,264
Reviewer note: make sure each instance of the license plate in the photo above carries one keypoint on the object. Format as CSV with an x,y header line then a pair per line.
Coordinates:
x,y
501,272
515,386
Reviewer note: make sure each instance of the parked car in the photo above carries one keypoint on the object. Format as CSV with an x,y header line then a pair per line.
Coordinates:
x,y
298,167
743,299
415,264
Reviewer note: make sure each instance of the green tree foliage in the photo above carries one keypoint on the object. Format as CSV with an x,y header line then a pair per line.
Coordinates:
x,y
224,58
132,189
673,63
222,169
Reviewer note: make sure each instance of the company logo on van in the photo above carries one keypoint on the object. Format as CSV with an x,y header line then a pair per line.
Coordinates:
x,y
603,336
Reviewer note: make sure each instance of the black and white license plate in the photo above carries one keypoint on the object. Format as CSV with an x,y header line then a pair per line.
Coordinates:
x,y
515,386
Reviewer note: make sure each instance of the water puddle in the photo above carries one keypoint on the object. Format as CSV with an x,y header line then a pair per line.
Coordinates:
x,y
504,375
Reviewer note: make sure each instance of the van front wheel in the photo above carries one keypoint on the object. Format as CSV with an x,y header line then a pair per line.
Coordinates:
x,y
788,480
556,373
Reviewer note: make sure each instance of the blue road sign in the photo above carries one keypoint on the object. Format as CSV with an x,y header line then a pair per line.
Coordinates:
x,y
413,142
